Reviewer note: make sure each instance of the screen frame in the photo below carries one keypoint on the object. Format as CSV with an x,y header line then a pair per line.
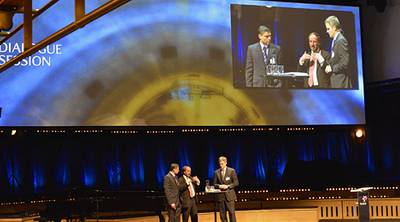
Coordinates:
x,y
360,68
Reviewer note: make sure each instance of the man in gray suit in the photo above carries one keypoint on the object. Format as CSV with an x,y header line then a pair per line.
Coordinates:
x,y
313,62
225,178
339,62
171,190
259,55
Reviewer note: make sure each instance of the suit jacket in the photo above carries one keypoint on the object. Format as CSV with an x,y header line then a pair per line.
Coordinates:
x,y
185,195
339,62
322,76
171,189
230,179
255,66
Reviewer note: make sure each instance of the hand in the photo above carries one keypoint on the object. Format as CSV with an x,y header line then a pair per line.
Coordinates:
x,y
195,178
313,56
328,69
173,206
319,58
304,57
223,187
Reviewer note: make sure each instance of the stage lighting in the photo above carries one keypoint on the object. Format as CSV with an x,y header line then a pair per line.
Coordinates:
x,y
7,10
6,20
13,132
359,133
380,5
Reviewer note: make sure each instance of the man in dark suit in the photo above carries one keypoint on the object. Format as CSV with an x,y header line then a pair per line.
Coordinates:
x,y
339,62
226,180
259,55
188,194
171,190
314,62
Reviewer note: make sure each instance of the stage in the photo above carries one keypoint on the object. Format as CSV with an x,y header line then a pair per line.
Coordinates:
x,y
293,205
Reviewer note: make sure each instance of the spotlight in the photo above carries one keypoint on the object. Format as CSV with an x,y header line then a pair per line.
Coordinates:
x,y
380,5
7,10
358,134
13,132
6,20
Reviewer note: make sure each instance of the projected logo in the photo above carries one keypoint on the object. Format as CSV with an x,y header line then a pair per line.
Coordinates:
x,y
363,200
180,99
44,57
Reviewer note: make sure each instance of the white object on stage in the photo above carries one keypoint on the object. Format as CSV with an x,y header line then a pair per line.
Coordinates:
x,y
211,189
362,189
288,74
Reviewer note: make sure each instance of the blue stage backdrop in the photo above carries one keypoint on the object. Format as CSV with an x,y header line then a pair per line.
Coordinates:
x,y
43,164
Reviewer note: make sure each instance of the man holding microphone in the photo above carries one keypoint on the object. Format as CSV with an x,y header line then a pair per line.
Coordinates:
x,y
313,62
188,195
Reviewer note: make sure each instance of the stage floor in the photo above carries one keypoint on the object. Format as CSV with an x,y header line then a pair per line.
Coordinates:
x,y
273,215
287,215
321,210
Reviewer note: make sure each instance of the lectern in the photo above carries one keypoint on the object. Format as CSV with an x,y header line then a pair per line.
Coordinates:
x,y
288,77
363,203
210,190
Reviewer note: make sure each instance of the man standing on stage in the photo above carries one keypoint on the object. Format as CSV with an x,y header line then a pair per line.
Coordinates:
x,y
339,62
313,62
188,194
171,190
226,180
259,56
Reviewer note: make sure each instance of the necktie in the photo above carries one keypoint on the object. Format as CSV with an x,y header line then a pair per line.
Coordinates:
x,y
223,173
176,180
191,190
311,73
332,44
265,54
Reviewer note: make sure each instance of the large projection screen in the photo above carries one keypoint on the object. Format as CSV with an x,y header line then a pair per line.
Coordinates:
x,y
180,63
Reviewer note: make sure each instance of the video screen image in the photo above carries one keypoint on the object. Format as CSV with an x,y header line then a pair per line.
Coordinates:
x,y
280,47
187,63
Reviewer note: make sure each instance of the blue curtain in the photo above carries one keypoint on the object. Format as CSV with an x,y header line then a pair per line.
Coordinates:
x,y
39,164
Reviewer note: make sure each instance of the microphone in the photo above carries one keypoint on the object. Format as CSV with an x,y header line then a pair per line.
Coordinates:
x,y
193,179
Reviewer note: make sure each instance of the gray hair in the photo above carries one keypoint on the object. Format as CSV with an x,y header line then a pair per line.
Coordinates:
x,y
222,158
184,168
173,166
262,29
334,22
